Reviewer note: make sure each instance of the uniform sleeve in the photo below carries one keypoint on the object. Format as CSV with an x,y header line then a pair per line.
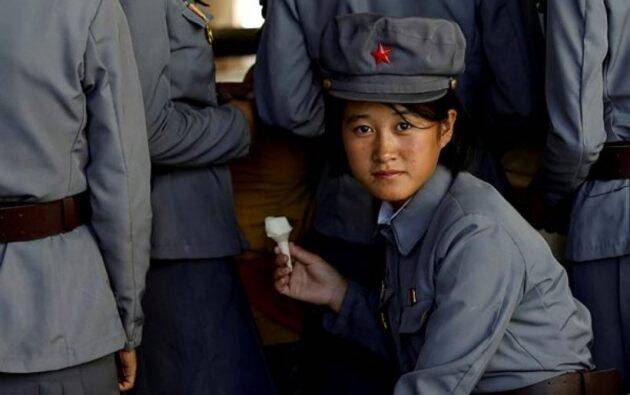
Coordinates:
x,y
288,90
357,320
577,46
118,172
478,285
180,134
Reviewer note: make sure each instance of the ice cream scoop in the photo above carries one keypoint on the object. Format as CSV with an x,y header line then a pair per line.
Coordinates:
x,y
279,229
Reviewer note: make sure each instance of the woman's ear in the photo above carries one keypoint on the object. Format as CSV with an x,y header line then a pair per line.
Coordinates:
x,y
446,128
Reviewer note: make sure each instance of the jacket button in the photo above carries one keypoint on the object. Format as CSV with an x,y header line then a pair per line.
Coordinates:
x,y
327,84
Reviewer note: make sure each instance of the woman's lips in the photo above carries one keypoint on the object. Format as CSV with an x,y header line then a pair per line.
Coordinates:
x,y
387,174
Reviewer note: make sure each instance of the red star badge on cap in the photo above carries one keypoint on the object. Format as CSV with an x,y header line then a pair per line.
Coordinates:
x,y
381,54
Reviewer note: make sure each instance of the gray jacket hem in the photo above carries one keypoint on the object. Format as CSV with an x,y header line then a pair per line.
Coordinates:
x,y
73,357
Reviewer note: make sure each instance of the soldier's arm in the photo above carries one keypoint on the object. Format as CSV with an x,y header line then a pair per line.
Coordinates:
x,y
577,45
288,92
118,172
180,134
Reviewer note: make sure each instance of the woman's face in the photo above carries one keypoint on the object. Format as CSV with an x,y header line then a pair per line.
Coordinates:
x,y
392,156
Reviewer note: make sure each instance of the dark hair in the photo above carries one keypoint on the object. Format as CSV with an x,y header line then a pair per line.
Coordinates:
x,y
455,156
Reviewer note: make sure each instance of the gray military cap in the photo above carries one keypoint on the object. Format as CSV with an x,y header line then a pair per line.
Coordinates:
x,y
370,57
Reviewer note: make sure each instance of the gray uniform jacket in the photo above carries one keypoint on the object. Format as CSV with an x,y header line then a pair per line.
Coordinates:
x,y
191,137
588,93
289,93
71,119
472,297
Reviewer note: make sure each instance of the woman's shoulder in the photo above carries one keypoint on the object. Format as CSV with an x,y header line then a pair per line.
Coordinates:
x,y
473,207
470,196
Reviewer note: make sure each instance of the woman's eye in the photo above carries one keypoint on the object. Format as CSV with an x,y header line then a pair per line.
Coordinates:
x,y
362,129
403,126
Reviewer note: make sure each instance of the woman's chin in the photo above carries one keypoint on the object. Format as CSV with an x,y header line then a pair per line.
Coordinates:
x,y
389,190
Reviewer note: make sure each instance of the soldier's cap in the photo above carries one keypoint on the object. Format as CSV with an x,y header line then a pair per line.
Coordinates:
x,y
370,57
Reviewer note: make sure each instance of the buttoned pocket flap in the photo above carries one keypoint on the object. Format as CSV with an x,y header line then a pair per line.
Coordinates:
x,y
414,317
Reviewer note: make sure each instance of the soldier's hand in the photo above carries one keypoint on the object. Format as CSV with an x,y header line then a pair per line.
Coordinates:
x,y
247,108
312,279
127,364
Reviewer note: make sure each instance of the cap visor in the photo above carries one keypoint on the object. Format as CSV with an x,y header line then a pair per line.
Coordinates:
x,y
423,97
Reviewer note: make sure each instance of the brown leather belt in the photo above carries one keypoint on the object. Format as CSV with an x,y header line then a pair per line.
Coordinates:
x,y
613,162
25,222
598,382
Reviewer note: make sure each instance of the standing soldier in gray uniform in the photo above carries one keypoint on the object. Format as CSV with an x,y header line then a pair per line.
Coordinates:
x,y
499,78
472,298
74,198
587,162
200,336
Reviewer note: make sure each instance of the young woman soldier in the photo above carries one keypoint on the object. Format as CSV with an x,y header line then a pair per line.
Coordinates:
x,y
472,298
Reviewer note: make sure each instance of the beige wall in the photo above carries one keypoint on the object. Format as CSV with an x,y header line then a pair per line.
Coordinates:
x,y
223,12
235,13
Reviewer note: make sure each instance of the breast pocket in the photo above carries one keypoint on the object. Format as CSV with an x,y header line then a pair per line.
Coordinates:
x,y
594,189
600,220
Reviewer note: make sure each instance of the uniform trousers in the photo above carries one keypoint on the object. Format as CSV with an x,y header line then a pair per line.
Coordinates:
x,y
603,286
331,365
97,377
199,335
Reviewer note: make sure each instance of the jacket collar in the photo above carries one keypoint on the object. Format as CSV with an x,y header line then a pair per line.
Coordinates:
x,y
410,223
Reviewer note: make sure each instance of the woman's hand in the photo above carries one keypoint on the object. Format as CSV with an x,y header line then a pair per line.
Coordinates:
x,y
312,280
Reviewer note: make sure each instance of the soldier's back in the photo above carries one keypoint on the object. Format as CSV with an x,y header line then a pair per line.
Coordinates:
x,y
42,105
74,186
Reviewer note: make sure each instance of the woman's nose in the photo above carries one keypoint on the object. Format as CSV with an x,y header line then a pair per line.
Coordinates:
x,y
385,148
